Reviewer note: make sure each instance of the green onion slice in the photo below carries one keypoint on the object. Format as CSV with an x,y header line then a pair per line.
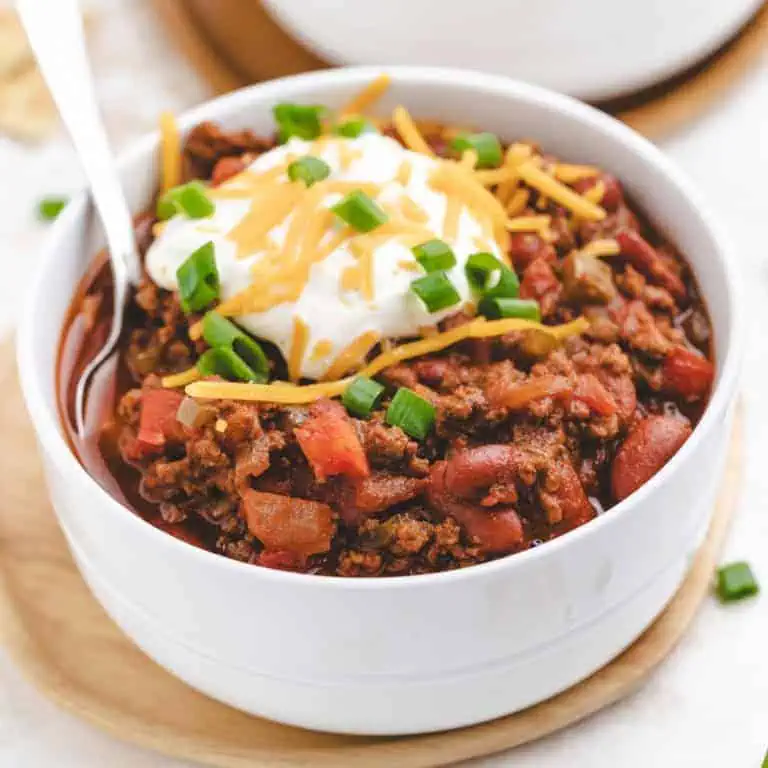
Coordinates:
x,y
434,255
413,414
483,271
50,207
221,333
486,145
735,582
354,127
198,279
301,120
190,199
308,169
496,307
359,211
436,291
225,362
489,277
362,396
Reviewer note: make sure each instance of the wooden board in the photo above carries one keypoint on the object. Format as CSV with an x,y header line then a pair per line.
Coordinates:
x,y
63,641
233,43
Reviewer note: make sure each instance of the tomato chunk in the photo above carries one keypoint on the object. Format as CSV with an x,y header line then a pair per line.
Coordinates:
x,y
687,373
330,443
157,421
590,391
519,395
286,523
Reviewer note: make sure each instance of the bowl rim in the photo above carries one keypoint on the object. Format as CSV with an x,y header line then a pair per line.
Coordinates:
x,y
46,420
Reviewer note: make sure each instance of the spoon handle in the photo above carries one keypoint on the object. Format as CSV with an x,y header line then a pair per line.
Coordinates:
x,y
55,32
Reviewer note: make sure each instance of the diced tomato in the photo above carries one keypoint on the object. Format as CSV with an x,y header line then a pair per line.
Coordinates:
x,y
519,395
330,443
285,523
225,169
644,257
279,559
687,373
591,392
157,421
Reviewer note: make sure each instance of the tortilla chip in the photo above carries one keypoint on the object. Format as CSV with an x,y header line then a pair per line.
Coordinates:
x,y
27,111
15,53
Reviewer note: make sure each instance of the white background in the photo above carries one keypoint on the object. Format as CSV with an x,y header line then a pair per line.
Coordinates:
x,y
707,706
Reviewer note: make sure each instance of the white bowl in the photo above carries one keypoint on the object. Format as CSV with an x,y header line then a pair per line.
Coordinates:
x,y
593,50
410,654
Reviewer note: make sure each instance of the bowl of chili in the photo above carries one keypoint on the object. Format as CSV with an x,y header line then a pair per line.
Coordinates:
x,y
392,525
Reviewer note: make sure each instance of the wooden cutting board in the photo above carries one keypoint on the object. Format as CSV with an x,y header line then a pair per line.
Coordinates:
x,y
64,642
233,43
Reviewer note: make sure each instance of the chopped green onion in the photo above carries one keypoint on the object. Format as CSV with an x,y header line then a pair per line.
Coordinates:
x,y
436,291
483,271
362,396
485,144
495,307
299,120
308,169
190,199
198,279
413,414
434,255
354,127
735,582
225,362
359,211
220,333
489,277
50,207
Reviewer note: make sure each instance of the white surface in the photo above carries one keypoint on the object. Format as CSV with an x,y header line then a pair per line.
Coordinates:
x,y
707,705
593,49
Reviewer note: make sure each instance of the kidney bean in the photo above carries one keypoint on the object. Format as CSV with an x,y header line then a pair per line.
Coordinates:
x,y
525,248
470,474
650,444
499,530
687,374
644,257
613,196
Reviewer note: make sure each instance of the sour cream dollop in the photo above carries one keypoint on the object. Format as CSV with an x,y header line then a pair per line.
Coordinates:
x,y
333,316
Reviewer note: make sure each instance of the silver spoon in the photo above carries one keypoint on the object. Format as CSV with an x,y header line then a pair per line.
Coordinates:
x,y
55,32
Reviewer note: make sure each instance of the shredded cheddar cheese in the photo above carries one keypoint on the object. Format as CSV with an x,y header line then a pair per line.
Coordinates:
x,y
298,348
598,248
321,350
352,355
408,131
529,224
404,173
367,97
180,379
469,159
569,173
518,202
595,193
540,180
284,393
170,152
